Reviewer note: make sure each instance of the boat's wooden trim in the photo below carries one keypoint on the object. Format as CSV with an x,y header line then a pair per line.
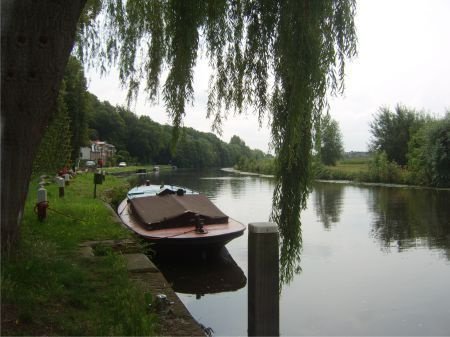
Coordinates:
x,y
215,232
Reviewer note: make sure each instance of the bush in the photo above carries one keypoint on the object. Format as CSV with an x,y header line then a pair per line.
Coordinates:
x,y
114,196
429,154
384,171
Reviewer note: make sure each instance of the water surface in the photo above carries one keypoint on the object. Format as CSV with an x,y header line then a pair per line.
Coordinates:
x,y
375,260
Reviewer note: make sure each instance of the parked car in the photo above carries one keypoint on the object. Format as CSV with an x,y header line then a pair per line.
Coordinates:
x,y
122,164
91,163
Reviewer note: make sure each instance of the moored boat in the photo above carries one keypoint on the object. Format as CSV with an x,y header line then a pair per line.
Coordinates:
x,y
170,215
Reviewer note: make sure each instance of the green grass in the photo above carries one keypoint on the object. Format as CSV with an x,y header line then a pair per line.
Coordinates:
x,y
349,168
48,289
130,169
364,170
344,170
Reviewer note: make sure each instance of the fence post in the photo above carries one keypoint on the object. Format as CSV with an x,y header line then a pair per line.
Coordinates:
x,y
263,280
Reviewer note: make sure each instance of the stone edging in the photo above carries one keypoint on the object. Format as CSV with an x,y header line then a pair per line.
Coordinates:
x,y
175,320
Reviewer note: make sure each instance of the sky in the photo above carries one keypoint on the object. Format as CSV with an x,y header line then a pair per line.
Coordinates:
x,y
403,58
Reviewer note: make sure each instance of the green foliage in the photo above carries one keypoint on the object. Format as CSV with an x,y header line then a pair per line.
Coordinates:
x,y
392,131
339,172
67,131
115,195
77,102
384,171
55,148
264,165
139,139
106,123
331,141
429,154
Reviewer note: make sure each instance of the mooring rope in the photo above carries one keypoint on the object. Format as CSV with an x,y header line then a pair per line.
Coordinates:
x,y
66,215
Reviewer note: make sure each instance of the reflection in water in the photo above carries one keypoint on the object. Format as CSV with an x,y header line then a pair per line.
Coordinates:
x,y
237,184
200,275
406,218
328,202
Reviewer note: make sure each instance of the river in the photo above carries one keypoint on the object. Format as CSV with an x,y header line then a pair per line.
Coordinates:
x,y
375,260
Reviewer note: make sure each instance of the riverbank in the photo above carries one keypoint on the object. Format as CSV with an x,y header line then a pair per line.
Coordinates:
x,y
118,171
56,284
343,178
370,170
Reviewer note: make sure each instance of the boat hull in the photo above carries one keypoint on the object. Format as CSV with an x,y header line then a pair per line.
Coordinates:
x,y
216,236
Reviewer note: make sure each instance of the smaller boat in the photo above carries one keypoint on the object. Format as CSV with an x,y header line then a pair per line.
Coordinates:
x,y
170,215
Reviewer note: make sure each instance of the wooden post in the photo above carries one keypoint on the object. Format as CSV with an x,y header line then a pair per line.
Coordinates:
x,y
263,280
98,179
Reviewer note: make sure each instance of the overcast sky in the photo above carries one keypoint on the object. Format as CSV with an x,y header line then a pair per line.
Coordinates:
x,y
403,57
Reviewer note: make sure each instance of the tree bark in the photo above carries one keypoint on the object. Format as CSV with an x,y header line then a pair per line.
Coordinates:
x,y
36,40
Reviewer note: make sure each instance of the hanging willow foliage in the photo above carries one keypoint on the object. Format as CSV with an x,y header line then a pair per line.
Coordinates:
x,y
279,57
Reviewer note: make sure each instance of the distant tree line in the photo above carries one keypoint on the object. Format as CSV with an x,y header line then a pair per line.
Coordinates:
x,y
407,147
139,139
82,117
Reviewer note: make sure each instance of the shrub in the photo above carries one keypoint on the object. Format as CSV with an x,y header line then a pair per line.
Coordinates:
x,y
382,170
429,154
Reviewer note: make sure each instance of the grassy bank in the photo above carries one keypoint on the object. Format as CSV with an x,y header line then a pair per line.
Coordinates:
x,y
375,170
352,169
132,169
49,289
371,170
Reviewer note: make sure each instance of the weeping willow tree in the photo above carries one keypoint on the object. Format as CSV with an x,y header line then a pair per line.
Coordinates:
x,y
280,58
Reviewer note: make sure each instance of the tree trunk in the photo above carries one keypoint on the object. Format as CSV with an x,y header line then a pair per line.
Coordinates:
x,y
37,37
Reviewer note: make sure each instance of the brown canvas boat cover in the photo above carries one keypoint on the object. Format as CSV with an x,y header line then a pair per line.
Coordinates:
x,y
174,210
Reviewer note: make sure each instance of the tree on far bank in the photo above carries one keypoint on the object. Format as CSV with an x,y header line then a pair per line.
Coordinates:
x,y
332,148
391,131
429,153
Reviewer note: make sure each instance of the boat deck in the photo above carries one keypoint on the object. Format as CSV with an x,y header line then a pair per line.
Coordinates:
x,y
218,234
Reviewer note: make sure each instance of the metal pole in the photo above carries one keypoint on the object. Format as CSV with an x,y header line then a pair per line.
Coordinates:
x,y
263,280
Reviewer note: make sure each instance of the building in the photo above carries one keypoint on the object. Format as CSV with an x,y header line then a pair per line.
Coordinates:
x,y
98,150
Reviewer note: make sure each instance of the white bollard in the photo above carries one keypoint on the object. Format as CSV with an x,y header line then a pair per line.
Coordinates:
x,y
61,183
41,195
42,203
67,178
